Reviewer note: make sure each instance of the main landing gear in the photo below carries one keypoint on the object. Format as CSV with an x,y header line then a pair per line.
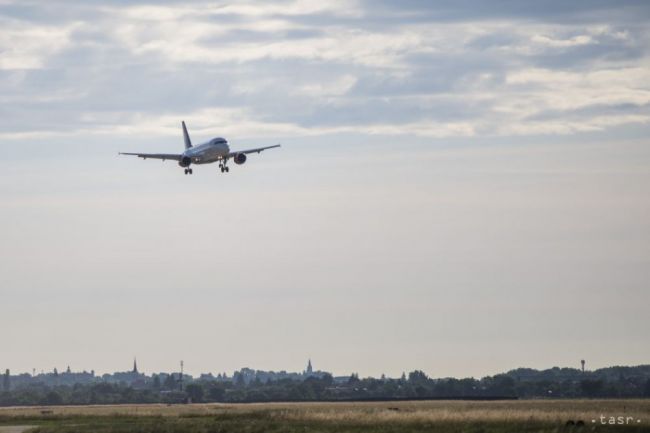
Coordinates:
x,y
223,167
188,171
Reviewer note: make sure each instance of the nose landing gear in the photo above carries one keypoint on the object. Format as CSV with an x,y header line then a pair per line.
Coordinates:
x,y
188,171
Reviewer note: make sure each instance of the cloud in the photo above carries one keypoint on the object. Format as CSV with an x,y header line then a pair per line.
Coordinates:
x,y
24,45
309,68
203,39
571,42
346,8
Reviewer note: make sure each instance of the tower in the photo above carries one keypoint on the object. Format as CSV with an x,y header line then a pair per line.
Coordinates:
x,y
180,381
135,366
583,365
309,369
6,381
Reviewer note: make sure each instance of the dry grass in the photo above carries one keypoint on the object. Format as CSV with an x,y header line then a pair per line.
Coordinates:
x,y
370,413
461,411
529,416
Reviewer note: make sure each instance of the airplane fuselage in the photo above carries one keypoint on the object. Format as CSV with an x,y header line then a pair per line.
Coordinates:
x,y
211,151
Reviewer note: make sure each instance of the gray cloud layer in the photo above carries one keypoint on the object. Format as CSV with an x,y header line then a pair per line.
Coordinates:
x,y
310,68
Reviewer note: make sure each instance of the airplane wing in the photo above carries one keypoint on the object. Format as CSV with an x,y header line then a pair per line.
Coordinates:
x,y
256,150
163,156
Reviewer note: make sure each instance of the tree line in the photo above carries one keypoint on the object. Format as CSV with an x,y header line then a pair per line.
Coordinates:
x,y
615,382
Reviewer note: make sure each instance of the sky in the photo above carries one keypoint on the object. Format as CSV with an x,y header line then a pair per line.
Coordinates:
x,y
462,186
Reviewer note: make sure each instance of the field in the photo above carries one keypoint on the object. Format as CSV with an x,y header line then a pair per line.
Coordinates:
x,y
431,416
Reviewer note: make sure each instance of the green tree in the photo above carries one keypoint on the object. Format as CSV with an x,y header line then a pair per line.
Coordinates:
x,y
591,388
503,385
354,378
53,398
216,393
418,377
194,392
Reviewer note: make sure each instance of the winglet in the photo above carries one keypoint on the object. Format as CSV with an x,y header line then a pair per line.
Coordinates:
x,y
186,136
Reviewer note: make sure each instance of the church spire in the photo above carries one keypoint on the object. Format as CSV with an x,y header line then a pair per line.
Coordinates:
x,y
309,369
135,365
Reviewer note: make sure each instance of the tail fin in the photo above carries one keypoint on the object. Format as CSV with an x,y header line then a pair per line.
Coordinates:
x,y
186,137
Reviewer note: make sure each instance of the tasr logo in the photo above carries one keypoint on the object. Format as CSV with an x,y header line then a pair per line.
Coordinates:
x,y
616,420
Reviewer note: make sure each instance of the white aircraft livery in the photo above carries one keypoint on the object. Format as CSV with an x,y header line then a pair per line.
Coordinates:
x,y
214,150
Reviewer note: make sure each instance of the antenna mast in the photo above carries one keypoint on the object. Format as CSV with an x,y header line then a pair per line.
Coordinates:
x,y
181,379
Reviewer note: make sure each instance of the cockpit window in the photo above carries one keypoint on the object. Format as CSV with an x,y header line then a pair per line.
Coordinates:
x,y
219,141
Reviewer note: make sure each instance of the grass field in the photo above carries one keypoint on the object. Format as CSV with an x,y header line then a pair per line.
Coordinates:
x,y
432,416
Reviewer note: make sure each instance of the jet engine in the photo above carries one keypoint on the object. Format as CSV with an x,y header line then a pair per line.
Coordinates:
x,y
185,161
240,158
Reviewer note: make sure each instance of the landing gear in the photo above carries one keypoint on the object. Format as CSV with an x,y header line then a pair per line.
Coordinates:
x,y
188,171
223,167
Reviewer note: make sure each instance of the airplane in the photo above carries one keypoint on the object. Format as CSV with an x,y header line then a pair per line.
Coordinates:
x,y
211,151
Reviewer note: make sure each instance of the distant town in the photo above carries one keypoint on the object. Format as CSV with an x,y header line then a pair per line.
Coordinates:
x,y
249,385
136,379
